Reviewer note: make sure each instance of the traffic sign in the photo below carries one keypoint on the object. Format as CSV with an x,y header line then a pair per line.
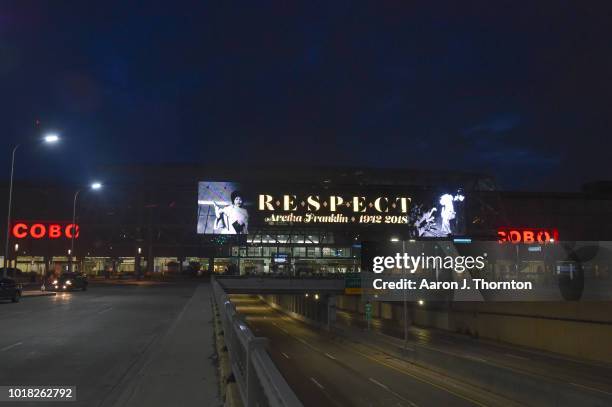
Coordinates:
x,y
352,283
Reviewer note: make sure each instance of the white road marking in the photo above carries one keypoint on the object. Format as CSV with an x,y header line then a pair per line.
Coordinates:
x,y
516,356
590,388
104,310
379,383
307,344
285,355
392,392
317,383
11,346
475,358
330,356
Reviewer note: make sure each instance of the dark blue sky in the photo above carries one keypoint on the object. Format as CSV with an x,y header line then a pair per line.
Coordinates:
x,y
518,90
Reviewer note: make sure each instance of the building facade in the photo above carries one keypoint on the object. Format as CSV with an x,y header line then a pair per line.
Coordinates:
x,y
177,219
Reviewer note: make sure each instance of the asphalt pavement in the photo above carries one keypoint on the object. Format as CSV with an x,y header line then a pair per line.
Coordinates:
x,y
556,379
325,371
119,345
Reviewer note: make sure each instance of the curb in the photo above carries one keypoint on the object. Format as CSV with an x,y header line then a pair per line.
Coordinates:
x,y
26,294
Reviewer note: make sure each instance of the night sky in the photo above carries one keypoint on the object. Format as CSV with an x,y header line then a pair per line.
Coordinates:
x,y
518,90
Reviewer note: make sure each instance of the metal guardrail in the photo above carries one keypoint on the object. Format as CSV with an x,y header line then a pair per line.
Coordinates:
x,y
259,381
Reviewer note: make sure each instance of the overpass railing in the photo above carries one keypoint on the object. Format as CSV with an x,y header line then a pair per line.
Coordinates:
x,y
259,381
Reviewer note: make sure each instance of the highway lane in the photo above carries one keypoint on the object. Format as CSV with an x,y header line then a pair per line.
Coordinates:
x,y
589,376
327,372
86,339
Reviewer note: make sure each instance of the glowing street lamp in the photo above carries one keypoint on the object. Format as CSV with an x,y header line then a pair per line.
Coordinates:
x,y
50,138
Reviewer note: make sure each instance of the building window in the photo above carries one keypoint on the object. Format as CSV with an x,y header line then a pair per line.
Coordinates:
x,y
312,239
313,251
343,252
254,239
269,251
255,251
327,238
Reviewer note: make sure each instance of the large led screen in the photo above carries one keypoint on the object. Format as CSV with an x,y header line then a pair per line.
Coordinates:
x,y
231,208
222,209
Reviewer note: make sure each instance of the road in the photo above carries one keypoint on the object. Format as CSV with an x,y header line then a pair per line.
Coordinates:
x,y
324,371
119,345
591,382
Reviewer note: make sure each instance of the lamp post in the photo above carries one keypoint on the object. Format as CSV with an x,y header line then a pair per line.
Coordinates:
x,y
16,253
405,300
49,139
94,186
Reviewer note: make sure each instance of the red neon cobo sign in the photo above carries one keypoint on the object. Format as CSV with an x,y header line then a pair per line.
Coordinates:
x,y
527,235
22,230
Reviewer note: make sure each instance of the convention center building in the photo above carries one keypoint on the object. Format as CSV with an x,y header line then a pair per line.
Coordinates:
x,y
158,220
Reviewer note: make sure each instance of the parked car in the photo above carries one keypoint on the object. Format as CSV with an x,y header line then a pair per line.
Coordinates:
x,y
11,272
69,281
9,289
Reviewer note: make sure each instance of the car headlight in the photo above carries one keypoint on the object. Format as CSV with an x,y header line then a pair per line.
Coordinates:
x,y
68,282
54,281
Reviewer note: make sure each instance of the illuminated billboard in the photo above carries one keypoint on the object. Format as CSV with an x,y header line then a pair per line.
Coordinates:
x,y
222,209
230,207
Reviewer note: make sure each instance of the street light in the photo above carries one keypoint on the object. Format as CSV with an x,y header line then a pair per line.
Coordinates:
x,y
50,138
395,240
94,186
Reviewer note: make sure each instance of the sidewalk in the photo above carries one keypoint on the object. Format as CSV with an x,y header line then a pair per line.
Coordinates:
x,y
127,282
36,293
146,281
180,369
33,290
